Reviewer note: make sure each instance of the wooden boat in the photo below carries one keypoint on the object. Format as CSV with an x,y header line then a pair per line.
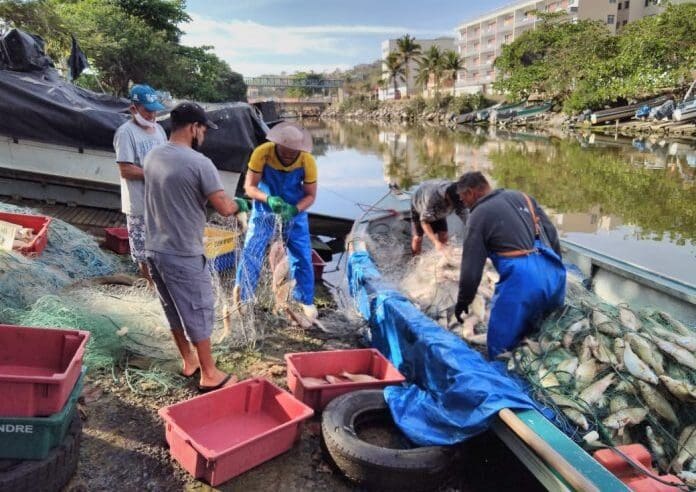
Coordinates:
x,y
483,115
522,115
555,460
623,112
685,111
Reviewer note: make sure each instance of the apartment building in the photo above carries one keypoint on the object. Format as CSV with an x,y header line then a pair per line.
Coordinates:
x,y
479,41
409,86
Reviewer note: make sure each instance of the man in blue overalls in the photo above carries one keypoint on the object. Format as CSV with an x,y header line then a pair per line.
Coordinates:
x,y
282,181
511,229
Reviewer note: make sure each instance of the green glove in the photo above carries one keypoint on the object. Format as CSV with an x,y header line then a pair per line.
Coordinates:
x,y
276,203
288,212
242,205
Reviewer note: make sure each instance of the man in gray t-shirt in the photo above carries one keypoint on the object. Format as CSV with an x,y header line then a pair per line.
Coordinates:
x,y
132,141
179,181
431,203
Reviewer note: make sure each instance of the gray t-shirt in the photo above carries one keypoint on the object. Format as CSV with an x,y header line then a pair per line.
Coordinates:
x,y
429,201
132,144
178,181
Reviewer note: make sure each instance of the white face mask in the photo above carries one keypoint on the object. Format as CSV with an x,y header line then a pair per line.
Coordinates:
x,y
142,121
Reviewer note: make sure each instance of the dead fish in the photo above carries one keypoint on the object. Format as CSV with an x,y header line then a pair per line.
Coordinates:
x,y
358,378
334,379
686,448
276,253
586,349
629,319
678,353
647,352
547,345
533,345
566,369
689,478
637,367
564,401
310,381
601,350
576,417
683,390
619,346
547,379
605,324
625,417
280,272
686,341
574,329
626,387
676,324
657,447
657,402
592,439
594,392
618,403
585,373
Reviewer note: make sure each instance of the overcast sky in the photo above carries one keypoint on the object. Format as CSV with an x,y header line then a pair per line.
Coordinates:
x,y
271,36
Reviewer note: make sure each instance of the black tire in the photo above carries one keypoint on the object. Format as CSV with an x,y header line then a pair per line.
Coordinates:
x,y
378,468
47,475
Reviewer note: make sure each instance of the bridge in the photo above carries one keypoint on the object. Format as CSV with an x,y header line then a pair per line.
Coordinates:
x,y
297,107
289,82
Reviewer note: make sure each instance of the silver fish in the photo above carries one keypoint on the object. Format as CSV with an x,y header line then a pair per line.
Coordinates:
x,y
585,373
619,346
618,402
686,448
564,401
637,367
629,319
657,402
595,391
683,390
625,417
605,324
647,352
576,417
657,448
680,354
566,369
574,329
676,324
601,349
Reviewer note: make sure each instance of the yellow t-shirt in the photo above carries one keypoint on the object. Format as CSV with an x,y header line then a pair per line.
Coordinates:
x,y
266,155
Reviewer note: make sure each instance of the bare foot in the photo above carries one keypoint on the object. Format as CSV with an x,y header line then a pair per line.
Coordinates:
x,y
214,379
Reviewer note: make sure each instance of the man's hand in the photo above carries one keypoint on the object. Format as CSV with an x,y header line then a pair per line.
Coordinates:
x,y
276,203
460,308
288,212
242,205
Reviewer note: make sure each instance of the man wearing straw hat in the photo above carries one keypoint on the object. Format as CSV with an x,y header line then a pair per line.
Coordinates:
x,y
282,181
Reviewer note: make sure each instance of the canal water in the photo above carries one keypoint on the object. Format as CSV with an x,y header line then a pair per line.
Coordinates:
x,y
632,199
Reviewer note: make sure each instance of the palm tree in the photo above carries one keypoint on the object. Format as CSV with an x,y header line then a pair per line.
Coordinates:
x,y
394,66
430,67
451,64
408,50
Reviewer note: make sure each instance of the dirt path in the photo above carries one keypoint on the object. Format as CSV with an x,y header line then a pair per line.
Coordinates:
x,y
123,437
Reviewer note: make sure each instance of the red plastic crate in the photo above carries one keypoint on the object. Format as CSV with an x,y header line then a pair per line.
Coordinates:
x,y
37,223
634,479
222,434
116,239
38,369
318,264
320,364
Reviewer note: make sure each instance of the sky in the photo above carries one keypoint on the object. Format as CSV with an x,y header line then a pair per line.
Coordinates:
x,y
272,36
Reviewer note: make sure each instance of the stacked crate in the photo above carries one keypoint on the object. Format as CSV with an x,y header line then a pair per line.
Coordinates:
x,y
41,377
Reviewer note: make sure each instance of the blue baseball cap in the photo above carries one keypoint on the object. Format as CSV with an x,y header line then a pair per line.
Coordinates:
x,y
146,96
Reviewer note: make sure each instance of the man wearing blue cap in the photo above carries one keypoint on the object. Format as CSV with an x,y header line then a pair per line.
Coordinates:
x,y
132,141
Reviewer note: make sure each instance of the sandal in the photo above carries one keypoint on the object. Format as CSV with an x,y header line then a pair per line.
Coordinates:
x,y
208,389
189,376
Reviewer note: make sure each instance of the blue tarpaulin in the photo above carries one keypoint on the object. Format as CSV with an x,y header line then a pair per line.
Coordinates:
x,y
453,392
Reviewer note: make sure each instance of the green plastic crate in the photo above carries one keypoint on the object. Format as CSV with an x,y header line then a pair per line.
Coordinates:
x,y
27,438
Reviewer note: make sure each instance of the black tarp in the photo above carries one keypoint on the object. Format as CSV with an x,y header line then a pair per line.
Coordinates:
x,y
39,105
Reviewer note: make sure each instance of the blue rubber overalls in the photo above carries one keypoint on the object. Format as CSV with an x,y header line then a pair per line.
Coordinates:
x,y
290,186
532,283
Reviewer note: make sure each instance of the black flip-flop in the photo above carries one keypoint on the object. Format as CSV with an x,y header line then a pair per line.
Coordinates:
x,y
189,376
208,389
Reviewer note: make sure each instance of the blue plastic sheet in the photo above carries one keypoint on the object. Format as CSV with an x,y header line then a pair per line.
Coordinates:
x,y
453,392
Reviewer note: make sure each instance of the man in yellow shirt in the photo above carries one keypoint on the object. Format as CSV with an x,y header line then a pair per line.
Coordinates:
x,y
282,180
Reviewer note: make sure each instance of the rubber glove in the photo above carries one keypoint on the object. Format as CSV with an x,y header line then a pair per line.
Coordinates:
x,y
276,203
288,212
242,205
460,308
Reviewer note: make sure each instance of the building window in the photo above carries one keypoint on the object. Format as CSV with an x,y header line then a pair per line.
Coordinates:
x,y
508,38
610,19
624,23
612,1
626,4
647,2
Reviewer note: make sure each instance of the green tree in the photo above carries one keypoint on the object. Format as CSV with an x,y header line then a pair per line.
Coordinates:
x,y
452,63
202,76
304,78
394,68
408,50
160,15
37,17
430,68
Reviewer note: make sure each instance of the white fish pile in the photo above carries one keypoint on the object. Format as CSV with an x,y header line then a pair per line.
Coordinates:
x,y
432,282
619,377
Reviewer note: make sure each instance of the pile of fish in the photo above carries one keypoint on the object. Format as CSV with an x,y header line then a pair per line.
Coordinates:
x,y
619,377
342,377
432,282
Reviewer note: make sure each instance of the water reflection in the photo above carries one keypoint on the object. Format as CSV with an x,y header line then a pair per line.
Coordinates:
x,y
631,198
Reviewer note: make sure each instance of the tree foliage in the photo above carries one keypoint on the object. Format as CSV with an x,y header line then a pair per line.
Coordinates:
x,y
395,69
408,50
129,41
304,77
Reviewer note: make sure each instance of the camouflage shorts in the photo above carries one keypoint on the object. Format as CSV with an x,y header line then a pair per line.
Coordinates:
x,y
136,237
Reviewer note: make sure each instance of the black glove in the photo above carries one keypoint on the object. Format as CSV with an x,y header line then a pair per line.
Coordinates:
x,y
460,308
